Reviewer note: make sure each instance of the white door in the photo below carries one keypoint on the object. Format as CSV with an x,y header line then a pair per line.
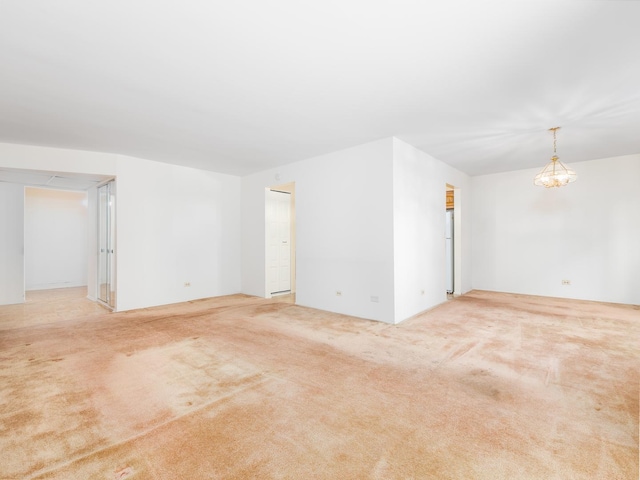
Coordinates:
x,y
278,240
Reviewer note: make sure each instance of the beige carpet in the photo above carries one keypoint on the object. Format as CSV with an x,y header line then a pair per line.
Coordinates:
x,y
486,386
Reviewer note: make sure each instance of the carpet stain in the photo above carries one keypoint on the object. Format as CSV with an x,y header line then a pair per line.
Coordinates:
x,y
123,473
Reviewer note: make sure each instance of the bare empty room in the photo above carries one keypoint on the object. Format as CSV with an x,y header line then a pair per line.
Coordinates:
x,y
381,240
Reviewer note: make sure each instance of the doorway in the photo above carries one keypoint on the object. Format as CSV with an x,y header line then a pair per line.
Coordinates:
x,y
449,239
12,187
280,240
106,244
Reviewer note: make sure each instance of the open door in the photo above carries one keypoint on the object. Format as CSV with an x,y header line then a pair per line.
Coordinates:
x,y
278,240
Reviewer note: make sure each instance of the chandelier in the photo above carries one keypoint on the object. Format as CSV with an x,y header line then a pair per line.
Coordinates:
x,y
555,173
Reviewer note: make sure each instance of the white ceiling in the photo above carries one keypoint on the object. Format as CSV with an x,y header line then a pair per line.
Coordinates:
x,y
241,86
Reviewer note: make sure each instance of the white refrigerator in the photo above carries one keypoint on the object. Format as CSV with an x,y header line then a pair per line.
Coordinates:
x,y
448,249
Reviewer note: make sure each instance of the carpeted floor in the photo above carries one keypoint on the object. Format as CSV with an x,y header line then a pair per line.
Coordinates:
x,y
485,386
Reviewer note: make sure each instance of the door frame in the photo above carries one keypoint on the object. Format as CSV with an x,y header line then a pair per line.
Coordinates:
x,y
291,189
112,256
457,238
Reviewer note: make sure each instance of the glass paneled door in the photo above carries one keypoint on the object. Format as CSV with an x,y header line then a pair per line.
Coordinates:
x,y
106,244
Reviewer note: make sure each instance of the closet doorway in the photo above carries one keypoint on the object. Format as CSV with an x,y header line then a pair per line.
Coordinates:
x,y
280,240
107,244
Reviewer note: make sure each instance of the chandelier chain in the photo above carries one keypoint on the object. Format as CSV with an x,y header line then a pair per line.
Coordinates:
x,y
554,130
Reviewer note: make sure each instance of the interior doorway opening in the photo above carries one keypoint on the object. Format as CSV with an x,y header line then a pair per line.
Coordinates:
x,y
15,182
449,237
454,258
280,240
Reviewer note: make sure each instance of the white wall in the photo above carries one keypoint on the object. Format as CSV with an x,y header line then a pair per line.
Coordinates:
x,y
419,186
344,230
11,243
528,239
55,236
174,225
370,223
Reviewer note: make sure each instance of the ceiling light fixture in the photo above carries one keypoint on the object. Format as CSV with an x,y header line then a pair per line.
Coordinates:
x,y
555,173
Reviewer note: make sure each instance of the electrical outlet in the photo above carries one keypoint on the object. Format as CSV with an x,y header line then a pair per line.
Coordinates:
x,y
338,293
422,292
187,284
375,299
566,282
